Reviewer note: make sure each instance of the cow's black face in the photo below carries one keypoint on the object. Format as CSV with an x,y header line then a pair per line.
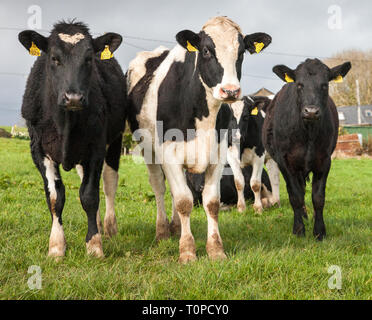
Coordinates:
x,y
220,50
71,68
71,55
311,79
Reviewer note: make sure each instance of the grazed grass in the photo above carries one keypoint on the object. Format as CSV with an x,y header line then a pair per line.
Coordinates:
x,y
265,261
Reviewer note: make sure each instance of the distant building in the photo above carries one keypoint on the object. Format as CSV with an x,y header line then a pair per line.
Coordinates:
x,y
348,116
264,92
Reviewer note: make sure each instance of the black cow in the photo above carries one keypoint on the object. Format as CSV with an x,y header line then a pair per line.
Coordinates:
x,y
174,98
229,195
246,149
75,110
300,133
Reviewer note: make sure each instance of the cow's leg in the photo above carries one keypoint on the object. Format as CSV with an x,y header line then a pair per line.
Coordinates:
x,y
234,162
257,167
211,204
80,172
55,196
183,202
296,193
175,225
157,181
318,197
110,183
89,197
274,175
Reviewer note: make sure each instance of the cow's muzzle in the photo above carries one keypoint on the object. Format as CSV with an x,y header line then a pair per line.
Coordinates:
x,y
230,92
73,101
311,113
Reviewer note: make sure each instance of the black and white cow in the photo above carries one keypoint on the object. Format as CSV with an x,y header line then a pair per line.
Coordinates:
x,y
174,98
246,149
75,109
300,133
229,194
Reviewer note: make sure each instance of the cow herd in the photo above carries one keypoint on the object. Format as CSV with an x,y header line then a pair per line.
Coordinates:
x,y
186,110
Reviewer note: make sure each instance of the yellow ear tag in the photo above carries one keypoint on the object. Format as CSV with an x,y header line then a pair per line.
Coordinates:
x,y
339,79
106,53
254,112
190,47
259,46
34,50
288,78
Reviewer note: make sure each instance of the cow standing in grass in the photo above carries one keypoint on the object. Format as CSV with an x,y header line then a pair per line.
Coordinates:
x,y
174,98
300,133
75,107
246,149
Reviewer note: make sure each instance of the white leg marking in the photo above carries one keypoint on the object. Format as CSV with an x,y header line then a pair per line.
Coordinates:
x,y
211,204
274,175
110,184
234,162
57,242
156,178
183,201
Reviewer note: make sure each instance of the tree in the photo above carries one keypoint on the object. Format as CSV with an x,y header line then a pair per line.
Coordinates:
x,y
344,94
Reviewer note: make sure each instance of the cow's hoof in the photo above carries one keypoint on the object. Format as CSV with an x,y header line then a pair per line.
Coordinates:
x,y
57,243
241,207
187,249
215,248
175,228
187,257
258,209
94,246
162,231
319,233
110,226
265,203
57,251
299,230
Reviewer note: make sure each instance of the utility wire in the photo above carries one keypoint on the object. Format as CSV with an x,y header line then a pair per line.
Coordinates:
x,y
174,42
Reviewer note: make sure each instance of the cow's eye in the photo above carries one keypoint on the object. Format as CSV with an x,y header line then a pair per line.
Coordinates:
x,y
88,60
324,86
206,53
300,86
56,61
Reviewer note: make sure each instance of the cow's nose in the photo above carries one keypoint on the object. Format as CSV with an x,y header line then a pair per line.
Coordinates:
x,y
230,92
73,100
311,113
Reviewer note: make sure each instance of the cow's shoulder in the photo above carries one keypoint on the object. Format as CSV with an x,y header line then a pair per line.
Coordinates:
x,y
144,63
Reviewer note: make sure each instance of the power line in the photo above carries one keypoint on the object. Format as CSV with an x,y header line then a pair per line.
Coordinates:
x,y
297,55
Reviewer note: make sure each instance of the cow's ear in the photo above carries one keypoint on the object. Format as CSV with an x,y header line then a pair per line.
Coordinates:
x,y
256,42
285,73
189,40
339,72
107,43
261,102
33,42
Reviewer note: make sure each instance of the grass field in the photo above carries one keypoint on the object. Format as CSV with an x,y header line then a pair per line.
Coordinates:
x,y
265,261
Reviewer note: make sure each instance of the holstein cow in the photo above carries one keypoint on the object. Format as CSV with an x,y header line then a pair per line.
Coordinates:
x,y
246,149
300,133
179,92
75,108
229,194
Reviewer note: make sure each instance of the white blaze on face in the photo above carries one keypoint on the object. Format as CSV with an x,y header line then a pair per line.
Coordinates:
x,y
72,39
225,34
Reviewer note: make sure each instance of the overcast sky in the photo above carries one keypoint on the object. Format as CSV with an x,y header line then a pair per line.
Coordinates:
x,y
299,29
